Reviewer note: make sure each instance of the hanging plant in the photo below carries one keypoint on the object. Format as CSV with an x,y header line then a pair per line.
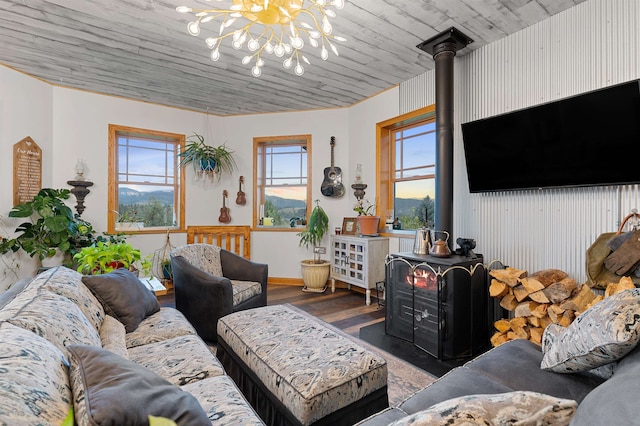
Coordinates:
x,y
207,159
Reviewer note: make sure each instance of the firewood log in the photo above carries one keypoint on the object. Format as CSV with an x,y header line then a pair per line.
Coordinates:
x,y
525,309
579,300
540,311
535,334
502,325
520,292
625,283
539,296
534,321
561,290
531,284
498,338
509,276
517,322
509,302
567,318
549,276
498,289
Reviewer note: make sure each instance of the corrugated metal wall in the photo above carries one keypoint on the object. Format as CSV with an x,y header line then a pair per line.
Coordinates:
x,y
593,45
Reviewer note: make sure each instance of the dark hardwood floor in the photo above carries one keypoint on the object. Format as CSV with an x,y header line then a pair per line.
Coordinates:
x,y
344,309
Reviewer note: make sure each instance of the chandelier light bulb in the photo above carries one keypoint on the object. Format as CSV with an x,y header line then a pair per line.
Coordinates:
x,y
326,26
193,28
277,27
297,43
253,45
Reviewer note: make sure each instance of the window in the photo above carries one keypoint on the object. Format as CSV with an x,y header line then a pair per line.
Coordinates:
x,y
145,193
281,183
406,168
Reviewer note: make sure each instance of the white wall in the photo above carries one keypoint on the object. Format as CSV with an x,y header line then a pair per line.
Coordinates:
x,y
25,110
76,124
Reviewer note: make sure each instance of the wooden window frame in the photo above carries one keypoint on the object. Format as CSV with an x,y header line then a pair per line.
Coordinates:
x,y
385,159
258,141
112,204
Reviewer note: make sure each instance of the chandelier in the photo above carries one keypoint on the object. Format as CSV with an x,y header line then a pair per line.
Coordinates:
x,y
275,27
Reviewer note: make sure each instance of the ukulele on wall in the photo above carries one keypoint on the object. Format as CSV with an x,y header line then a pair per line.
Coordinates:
x,y
241,200
224,211
332,184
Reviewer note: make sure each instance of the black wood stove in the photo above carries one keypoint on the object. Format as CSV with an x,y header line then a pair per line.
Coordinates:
x,y
439,304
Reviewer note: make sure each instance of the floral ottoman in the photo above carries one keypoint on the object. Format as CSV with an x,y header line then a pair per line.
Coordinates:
x,y
297,370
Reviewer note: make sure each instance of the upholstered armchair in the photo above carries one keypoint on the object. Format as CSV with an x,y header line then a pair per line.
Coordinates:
x,y
210,282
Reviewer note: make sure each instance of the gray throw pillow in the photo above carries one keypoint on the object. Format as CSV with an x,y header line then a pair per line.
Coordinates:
x,y
110,390
123,297
604,333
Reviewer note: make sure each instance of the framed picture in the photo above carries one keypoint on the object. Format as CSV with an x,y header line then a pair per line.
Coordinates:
x,y
349,225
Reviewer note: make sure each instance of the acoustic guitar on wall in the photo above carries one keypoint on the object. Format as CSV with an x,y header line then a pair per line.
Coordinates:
x,y
241,199
224,210
332,184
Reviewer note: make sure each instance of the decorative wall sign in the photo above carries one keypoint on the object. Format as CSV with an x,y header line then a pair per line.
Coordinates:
x,y
27,170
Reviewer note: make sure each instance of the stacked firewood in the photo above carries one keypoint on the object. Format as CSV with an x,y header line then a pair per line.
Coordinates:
x,y
537,300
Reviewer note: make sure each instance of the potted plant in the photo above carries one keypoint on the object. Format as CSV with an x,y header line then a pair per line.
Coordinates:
x,y
367,221
315,272
166,269
104,257
50,230
206,159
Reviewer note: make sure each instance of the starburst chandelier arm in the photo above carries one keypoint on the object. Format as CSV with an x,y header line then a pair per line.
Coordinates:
x,y
271,14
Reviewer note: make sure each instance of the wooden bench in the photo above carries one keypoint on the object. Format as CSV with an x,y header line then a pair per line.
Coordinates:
x,y
236,239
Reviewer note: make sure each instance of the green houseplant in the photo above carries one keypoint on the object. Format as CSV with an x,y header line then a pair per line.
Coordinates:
x,y
315,272
104,257
205,158
51,229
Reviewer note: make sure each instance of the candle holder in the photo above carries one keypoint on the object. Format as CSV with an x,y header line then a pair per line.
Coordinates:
x,y
80,190
359,190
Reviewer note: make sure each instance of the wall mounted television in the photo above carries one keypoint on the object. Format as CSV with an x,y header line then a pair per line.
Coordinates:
x,y
586,140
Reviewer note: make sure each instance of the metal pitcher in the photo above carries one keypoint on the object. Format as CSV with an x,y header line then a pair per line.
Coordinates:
x,y
422,242
440,248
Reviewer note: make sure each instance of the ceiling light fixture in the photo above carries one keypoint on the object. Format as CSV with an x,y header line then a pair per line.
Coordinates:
x,y
280,29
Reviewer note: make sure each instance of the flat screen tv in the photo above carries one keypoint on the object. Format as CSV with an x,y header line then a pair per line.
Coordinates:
x,y
586,140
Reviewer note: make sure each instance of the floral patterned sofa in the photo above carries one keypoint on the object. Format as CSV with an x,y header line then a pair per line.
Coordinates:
x,y
104,350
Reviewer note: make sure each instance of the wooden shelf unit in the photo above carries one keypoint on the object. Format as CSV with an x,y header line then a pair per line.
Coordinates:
x,y
358,261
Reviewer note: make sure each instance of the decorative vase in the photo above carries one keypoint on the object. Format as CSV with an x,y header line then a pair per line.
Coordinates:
x,y
368,225
315,275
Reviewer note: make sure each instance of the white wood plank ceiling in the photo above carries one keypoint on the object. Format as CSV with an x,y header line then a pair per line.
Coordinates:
x,y
140,49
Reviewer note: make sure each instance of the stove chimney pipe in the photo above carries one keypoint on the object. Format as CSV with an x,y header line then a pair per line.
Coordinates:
x,y
443,48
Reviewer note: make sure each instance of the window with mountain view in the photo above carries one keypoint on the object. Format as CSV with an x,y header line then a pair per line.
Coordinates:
x,y
144,180
406,175
282,187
